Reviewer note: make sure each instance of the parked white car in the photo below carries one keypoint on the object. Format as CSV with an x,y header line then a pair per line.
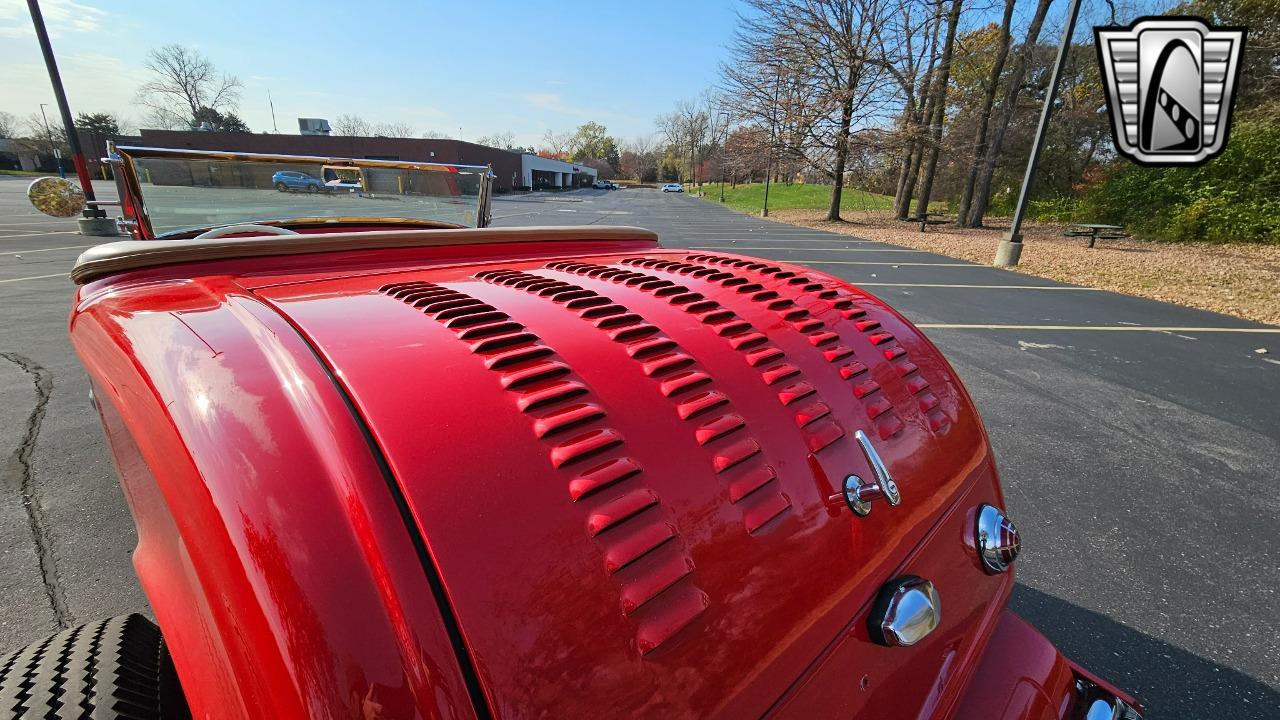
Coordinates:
x,y
673,187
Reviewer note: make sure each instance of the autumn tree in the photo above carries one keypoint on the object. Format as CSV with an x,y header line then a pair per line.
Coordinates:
x,y
984,114
639,158
591,141
1009,105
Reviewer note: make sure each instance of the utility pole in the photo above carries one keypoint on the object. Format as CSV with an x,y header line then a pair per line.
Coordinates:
x,y
1010,249
274,128
48,135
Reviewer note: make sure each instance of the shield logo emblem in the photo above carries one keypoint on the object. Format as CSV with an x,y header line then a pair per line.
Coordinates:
x,y
1169,85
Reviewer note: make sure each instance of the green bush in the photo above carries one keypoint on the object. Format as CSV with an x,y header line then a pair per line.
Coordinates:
x,y
1233,198
1054,209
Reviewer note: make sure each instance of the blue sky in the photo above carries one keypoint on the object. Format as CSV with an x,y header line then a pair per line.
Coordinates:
x,y
483,67
466,69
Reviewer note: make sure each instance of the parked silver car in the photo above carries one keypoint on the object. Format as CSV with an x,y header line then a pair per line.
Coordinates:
x,y
673,187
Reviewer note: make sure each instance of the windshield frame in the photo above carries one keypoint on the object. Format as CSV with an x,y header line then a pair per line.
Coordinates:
x,y
133,204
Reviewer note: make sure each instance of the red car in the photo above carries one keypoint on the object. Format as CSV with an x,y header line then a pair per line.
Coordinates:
x,y
388,462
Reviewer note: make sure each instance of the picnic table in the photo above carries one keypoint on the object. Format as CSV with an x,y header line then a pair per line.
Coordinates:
x,y
1096,231
933,218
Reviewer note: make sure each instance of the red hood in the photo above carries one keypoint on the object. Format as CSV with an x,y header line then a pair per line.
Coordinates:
x,y
624,466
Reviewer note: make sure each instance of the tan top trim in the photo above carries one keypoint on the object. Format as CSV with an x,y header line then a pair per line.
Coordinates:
x,y
118,257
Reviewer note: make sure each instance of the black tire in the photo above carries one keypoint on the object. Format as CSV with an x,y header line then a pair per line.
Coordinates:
x,y
117,668
281,187
311,189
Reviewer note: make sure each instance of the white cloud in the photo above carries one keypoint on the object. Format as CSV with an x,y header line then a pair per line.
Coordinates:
x,y
60,16
94,83
552,102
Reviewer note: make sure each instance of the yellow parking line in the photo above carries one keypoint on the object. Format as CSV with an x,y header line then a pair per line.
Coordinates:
x,y
1115,328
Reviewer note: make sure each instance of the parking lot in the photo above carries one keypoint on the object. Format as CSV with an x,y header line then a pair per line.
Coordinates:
x,y
1138,443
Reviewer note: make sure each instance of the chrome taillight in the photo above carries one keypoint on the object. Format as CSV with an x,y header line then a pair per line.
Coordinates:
x,y
997,540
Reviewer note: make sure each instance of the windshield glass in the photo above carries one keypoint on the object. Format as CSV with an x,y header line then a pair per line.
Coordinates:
x,y
185,194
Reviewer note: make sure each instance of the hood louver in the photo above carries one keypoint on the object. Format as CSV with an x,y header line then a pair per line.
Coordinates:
x,y
638,537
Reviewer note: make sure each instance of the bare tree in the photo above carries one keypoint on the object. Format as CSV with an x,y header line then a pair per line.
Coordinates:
x,y
393,130
916,117
816,72
984,113
351,125
182,83
160,119
640,157
556,143
39,137
502,140
982,194
8,125
436,135
939,109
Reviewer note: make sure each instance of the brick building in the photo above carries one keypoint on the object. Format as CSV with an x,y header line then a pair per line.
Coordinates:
x,y
506,165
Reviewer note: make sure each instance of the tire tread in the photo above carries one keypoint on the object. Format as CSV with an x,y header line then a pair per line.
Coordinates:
x,y
114,669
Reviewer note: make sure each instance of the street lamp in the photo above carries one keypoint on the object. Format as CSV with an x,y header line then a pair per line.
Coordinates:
x,y
773,131
724,115
48,135
94,220
1010,249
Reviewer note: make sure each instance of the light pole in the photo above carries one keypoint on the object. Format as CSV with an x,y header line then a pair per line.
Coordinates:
x,y
48,135
773,130
1010,249
724,115
73,139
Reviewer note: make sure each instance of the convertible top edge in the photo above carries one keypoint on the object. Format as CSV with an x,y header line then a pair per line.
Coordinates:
x,y
125,255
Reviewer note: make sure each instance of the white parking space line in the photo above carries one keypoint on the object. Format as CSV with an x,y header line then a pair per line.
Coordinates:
x,y
40,250
1105,328
27,235
730,243
979,287
814,249
27,224
35,277
744,234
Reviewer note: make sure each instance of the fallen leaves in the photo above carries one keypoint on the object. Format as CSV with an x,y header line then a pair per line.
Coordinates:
x,y
1239,279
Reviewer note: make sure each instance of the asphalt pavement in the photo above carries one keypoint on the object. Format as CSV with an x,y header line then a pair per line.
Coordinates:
x,y
1138,442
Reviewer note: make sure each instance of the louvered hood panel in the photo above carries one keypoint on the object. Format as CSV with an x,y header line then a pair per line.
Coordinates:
x,y
628,467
